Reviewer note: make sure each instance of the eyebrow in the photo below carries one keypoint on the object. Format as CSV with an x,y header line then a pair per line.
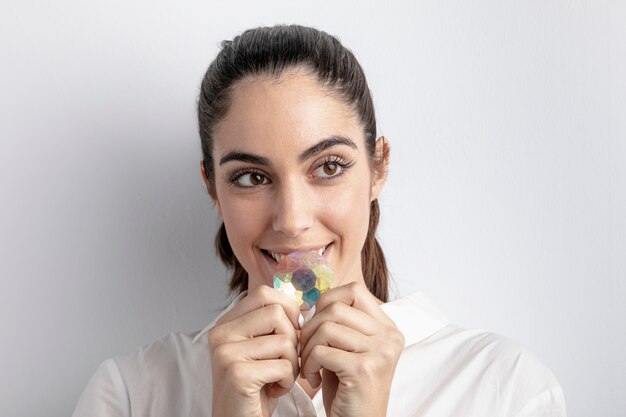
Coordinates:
x,y
244,157
325,144
319,147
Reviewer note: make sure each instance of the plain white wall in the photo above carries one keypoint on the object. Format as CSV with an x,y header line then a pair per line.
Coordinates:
x,y
505,204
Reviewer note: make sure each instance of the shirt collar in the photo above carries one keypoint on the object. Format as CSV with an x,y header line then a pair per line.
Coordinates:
x,y
414,315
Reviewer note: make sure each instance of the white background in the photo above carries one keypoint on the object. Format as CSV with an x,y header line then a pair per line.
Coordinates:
x,y
505,204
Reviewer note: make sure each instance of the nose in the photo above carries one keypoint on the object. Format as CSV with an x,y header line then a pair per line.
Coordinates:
x,y
293,209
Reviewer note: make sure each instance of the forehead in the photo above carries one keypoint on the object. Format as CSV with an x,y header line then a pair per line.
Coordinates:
x,y
292,111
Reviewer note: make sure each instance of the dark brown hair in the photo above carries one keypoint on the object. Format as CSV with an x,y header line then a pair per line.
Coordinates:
x,y
271,51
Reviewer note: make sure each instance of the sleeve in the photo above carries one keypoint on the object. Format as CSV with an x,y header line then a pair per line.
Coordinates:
x,y
549,403
105,394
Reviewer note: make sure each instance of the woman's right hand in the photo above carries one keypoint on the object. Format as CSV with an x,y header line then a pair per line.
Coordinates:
x,y
253,354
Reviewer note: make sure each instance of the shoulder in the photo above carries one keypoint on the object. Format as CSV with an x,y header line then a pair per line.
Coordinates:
x,y
171,375
470,372
104,394
175,355
481,359
489,371
498,354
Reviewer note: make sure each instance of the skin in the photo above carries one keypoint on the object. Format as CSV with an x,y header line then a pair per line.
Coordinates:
x,y
296,201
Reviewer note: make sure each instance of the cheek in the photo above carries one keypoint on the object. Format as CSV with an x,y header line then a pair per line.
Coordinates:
x,y
348,210
244,221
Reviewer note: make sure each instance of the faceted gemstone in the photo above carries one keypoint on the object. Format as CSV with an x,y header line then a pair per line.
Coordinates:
x,y
303,276
303,279
310,297
297,295
277,282
323,282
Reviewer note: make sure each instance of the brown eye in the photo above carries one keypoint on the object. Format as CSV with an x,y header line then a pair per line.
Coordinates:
x,y
250,179
330,168
256,179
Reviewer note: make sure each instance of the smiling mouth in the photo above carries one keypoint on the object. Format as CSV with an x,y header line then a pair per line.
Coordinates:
x,y
277,257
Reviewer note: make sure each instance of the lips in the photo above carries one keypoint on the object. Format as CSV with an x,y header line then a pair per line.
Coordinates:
x,y
279,254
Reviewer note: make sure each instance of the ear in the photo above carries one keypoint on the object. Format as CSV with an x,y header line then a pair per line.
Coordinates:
x,y
210,189
381,167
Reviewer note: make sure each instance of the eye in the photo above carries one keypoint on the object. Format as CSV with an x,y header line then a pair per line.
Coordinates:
x,y
328,169
249,179
332,167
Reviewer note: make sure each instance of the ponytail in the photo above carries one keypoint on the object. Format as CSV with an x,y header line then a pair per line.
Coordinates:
x,y
239,280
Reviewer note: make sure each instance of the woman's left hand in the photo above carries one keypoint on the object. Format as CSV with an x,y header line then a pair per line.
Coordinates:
x,y
356,346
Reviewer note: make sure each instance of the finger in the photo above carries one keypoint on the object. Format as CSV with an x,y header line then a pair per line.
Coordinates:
x,y
279,371
354,294
336,336
270,319
343,314
259,348
260,297
326,357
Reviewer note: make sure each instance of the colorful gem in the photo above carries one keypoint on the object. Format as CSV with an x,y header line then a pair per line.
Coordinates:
x,y
303,276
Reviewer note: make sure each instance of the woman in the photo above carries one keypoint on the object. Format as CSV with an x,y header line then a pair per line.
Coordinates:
x,y
292,163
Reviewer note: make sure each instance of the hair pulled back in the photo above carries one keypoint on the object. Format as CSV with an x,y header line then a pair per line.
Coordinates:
x,y
271,51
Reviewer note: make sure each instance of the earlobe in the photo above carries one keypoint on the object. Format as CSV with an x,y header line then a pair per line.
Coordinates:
x,y
205,180
381,166
219,209
210,189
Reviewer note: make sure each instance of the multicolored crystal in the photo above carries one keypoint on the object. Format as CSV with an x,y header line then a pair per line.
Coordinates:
x,y
303,276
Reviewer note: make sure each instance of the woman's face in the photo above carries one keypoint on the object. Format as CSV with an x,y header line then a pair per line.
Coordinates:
x,y
292,173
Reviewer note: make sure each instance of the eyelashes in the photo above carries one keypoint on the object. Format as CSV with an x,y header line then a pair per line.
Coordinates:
x,y
331,168
248,178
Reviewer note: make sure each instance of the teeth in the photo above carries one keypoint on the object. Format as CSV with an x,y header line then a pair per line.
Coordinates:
x,y
280,256
277,256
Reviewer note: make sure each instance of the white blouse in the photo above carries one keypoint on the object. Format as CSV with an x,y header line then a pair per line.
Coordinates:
x,y
444,370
